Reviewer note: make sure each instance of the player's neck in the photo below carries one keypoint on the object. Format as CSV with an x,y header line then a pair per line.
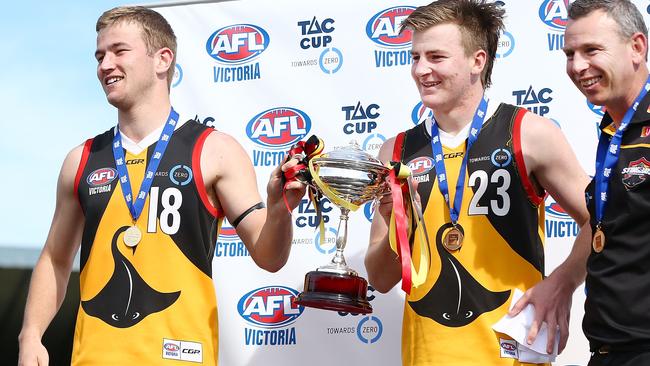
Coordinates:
x,y
454,118
138,121
618,108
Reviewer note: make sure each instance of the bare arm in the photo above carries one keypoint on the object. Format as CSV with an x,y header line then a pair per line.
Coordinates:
x,y
267,233
52,271
551,162
382,264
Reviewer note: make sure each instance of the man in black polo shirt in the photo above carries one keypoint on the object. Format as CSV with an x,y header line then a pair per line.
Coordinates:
x,y
606,44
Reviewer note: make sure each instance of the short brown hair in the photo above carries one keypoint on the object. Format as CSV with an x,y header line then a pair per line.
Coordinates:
x,y
480,23
156,31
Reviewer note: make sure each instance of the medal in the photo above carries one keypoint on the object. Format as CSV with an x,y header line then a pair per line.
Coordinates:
x,y
598,242
132,236
607,155
453,239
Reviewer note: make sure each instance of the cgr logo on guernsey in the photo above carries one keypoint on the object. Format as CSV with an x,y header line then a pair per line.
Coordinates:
x,y
383,29
101,176
270,308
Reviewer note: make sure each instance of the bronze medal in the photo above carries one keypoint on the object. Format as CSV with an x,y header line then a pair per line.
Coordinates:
x,y
598,242
453,239
132,236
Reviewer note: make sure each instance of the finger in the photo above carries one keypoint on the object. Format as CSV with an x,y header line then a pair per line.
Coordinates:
x,y
532,333
550,338
564,333
519,305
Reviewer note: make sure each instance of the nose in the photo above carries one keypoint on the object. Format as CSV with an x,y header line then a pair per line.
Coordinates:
x,y
577,64
106,65
420,68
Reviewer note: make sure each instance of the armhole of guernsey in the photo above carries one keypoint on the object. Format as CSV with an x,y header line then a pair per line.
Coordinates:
x,y
397,148
81,167
519,159
198,174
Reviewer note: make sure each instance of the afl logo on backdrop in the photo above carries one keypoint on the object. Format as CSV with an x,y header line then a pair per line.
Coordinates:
x,y
278,128
554,13
270,307
383,27
237,43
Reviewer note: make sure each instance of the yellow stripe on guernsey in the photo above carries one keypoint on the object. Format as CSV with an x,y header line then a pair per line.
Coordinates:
x,y
165,269
489,260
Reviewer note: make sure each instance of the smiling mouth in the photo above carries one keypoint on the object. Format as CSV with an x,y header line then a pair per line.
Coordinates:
x,y
113,79
429,84
589,82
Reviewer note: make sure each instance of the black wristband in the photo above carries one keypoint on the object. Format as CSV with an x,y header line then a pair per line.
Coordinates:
x,y
254,207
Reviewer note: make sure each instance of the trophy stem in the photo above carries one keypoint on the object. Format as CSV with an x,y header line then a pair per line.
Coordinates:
x,y
341,239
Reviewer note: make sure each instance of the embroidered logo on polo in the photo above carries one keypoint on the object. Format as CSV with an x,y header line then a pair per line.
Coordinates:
x,y
636,173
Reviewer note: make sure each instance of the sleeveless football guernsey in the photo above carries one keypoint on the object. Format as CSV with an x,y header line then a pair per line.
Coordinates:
x,y
153,304
448,319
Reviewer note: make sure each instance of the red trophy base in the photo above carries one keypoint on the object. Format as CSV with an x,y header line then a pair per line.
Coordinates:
x,y
335,291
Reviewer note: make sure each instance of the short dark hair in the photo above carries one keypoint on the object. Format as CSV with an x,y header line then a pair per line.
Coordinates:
x,y
623,12
156,31
480,23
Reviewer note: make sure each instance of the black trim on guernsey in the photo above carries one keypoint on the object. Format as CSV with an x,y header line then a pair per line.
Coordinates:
x,y
495,139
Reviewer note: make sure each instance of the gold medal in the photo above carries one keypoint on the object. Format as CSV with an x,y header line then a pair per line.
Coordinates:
x,y
598,243
453,239
132,236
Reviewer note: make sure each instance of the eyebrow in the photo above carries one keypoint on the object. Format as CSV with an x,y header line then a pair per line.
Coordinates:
x,y
111,46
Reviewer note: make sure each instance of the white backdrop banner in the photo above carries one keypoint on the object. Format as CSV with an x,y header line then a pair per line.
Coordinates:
x,y
271,73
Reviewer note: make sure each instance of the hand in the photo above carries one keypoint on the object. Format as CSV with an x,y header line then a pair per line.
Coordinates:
x,y
293,190
33,353
385,204
552,301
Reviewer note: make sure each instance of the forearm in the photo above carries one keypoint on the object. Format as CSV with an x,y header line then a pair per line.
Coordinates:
x,y
574,268
46,293
382,265
273,245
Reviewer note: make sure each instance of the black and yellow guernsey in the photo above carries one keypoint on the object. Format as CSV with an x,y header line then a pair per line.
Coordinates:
x,y
448,320
152,304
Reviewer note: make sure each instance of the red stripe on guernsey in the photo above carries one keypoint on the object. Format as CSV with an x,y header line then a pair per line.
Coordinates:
x,y
519,159
198,175
82,166
397,148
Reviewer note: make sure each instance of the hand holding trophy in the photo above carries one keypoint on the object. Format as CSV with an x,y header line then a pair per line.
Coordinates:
x,y
348,177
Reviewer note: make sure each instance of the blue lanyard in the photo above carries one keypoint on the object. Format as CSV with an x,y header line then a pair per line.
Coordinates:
x,y
607,155
152,166
438,157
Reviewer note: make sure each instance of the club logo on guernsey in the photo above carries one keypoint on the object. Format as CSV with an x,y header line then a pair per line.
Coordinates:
x,y
554,14
270,310
420,113
100,180
383,30
635,173
558,222
275,131
229,244
236,47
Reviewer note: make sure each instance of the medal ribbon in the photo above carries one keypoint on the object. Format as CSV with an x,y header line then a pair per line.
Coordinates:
x,y
438,157
607,155
152,167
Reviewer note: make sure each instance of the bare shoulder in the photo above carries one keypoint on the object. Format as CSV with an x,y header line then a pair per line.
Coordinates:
x,y
386,150
70,165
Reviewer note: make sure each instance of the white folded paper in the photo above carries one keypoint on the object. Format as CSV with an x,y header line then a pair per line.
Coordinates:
x,y
517,328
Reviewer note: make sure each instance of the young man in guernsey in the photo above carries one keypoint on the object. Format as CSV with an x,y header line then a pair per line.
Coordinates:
x,y
144,201
486,238
606,46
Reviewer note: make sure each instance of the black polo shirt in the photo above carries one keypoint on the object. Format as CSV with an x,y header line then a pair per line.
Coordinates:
x,y
617,310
